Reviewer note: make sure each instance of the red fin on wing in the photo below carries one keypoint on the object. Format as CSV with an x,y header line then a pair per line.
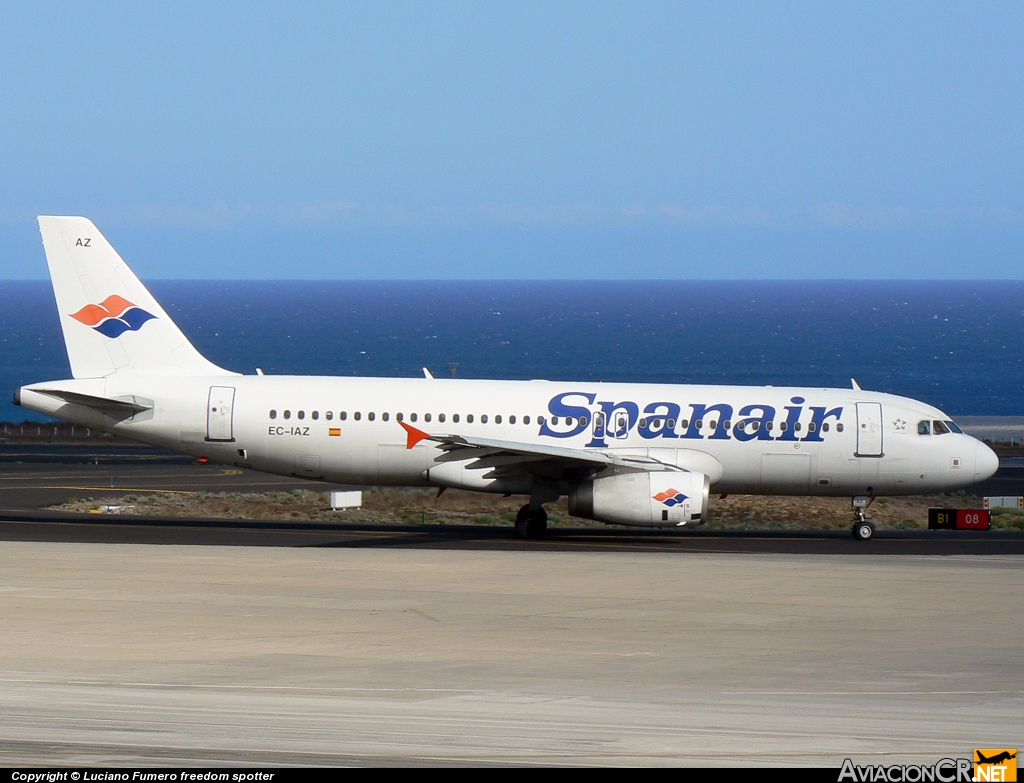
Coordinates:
x,y
414,435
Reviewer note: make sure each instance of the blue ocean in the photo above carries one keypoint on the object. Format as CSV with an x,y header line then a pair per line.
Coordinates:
x,y
958,345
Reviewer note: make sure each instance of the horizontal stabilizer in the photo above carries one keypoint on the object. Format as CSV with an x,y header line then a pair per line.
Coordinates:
x,y
129,406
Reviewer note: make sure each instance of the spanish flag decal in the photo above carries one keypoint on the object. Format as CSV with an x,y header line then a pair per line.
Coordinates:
x,y
334,432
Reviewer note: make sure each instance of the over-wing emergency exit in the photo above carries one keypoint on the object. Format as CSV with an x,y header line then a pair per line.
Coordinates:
x,y
630,454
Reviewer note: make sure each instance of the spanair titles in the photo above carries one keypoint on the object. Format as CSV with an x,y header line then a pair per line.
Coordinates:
x,y
576,412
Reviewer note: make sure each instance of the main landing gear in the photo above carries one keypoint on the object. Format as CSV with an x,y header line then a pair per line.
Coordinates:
x,y
863,530
531,523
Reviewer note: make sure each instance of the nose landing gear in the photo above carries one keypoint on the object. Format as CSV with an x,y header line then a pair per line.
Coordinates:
x,y
863,530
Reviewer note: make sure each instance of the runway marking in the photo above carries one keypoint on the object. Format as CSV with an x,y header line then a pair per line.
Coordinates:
x,y
214,686
149,475
113,489
871,693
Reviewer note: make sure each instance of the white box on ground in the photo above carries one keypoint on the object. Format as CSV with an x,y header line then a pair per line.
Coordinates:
x,y
352,499
1004,501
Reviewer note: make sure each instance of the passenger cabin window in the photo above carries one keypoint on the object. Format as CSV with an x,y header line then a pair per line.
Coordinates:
x,y
287,414
302,414
938,428
824,427
469,419
796,427
924,428
316,415
497,419
812,427
526,419
584,421
426,417
455,417
344,415
371,416
358,416
273,414
511,419
483,419
384,417
540,419
329,415
412,417
839,427
440,417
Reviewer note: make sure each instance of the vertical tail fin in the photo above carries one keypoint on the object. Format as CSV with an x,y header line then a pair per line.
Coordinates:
x,y
111,322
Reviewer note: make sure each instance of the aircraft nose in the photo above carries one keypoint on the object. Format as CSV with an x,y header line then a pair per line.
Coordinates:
x,y
986,462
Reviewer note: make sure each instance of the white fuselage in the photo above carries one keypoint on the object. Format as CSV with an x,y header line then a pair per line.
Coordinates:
x,y
346,430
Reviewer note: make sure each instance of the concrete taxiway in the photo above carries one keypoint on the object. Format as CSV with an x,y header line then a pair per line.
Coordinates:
x,y
267,655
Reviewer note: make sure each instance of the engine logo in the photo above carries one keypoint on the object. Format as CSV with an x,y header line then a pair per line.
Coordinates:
x,y
671,497
114,316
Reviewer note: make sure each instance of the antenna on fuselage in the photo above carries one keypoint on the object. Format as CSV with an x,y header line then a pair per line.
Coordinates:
x,y
452,367
856,386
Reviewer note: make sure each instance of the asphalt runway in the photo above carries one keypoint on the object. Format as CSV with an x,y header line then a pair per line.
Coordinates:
x,y
91,471
176,641
33,485
112,529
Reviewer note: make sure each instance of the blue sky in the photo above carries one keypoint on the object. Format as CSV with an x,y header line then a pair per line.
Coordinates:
x,y
525,140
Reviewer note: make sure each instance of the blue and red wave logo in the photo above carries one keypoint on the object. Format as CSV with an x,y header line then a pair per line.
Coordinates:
x,y
671,497
114,316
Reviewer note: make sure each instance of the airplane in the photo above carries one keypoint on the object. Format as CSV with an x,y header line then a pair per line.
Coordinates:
x,y
624,453
999,758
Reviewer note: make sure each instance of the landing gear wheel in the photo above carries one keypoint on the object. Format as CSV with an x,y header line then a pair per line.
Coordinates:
x,y
531,524
863,531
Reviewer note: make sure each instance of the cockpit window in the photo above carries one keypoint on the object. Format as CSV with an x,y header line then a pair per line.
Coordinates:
x,y
938,428
954,427
924,428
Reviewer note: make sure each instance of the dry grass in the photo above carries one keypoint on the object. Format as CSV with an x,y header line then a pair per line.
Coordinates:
x,y
382,505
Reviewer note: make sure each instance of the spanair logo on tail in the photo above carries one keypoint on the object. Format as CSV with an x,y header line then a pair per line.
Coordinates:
x,y
114,316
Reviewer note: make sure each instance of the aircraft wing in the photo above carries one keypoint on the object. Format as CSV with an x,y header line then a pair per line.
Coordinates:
x,y
507,453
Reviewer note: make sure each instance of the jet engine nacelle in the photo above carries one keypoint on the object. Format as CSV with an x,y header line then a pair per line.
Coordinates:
x,y
658,499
